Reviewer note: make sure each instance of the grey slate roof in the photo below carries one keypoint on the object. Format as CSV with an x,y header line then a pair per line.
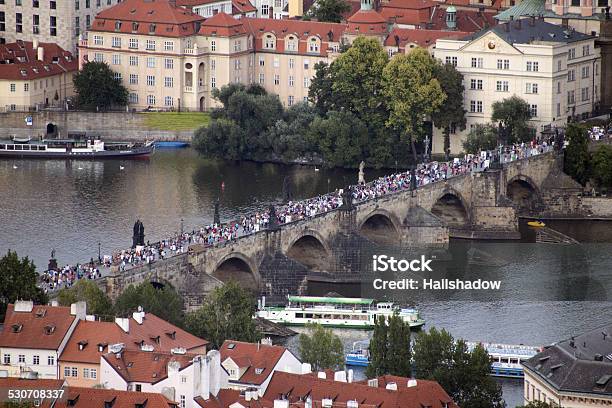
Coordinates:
x,y
524,8
528,30
581,364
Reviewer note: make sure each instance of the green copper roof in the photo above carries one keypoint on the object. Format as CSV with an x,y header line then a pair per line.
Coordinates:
x,y
334,300
524,8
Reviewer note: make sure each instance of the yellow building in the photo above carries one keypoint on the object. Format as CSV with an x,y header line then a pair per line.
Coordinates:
x,y
36,74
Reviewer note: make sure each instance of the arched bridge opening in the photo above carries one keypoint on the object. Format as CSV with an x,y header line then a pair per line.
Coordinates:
x,y
380,228
451,210
310,252
523,194
238,270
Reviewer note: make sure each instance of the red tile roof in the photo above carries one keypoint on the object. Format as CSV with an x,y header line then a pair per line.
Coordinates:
x,y
161,17
18,60
242,7
410,5
169,335
145,366
222,25
254,357
297,387
34,384
43,328
224,399
414,17
467,20
422,38
367,22
78,397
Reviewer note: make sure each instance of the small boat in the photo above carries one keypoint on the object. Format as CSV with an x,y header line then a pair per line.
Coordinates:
x,y
74,149
536,224
357,313
21,140
360,354
506,359
171,145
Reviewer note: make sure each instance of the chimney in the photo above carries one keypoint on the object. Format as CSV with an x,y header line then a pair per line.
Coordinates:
x,y
247,395
35,44
79,309
349,378
373,382
214,361
54,303
23,306
41,53
391,386
139,315
340,376
322,375
202,376
412,383
306,368
124,323
281,403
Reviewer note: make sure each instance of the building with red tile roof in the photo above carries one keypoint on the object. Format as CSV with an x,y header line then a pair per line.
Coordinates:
x,y
34,336
80,397
251,365
33,73
80,360
405,39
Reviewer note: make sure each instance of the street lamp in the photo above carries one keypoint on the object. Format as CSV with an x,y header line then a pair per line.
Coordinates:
x,y
99,252
181,227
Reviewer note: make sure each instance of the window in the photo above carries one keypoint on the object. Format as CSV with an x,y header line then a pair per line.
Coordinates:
x,y
35,3
269,41
571,75
169,63
2,21
531,88
52,4
66,371
558,87
168,45
313,45
6,359
98,57
533,109
150,62
18,22
133,61
237,45
213,82
133,79
291,81
502,86
168,101
133,43
213,45
452,61
77,25
532,66
477,63
291,63
116,59
133,98
150,45
87,3
17,2
169,82
559,65
262,79
290,100
476,84
87,21
237,65
306,63
150,101
576,3
86,373
586,71
76,4
571,99
182,401
117,76
35,24
117,42
306,82
74,372
586,50
93,373
98,40
571,53
276,62
291,44
26,87
265,9
503,64
150,80
213,65
276,79
476,106
262,61
558,109
53,26
585,94
13,87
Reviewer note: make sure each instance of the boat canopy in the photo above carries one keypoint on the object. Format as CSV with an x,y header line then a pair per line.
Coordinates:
x,y
330,300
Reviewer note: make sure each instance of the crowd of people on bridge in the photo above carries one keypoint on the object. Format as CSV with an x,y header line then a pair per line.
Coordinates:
x,y
600,132
213,234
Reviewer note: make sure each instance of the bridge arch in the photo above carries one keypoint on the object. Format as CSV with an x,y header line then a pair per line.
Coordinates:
x,y
240,268
523,192
311,250
381,226
451,208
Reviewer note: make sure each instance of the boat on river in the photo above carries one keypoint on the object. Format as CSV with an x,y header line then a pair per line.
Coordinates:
x,y
359,355
357,313
536,224
506,359
73,149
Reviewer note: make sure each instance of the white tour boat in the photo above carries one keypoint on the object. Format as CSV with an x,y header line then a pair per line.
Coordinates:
x,y
506,359
355,313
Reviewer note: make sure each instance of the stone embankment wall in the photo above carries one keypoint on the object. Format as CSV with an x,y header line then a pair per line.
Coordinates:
x,y
125,126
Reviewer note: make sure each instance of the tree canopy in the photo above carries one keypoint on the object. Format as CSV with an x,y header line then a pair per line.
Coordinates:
x,y
321,348
165,303
97,88
513,114
98,303
576,162
450,114
18,279
602,167
390,348
330,11
481,137
227,313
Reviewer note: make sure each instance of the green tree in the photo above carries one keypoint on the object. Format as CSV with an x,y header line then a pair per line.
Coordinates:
x,y
512,113
451,113
18,279
86,290
287,137
398,354
602,167
320,92
378,349
222,138
223,94
576,162
481,137
329,11
227,313
165,303
463,374
340,137
413,93
96,87
321,348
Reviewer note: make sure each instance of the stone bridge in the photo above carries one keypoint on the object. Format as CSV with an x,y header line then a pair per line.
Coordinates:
x,y
274,262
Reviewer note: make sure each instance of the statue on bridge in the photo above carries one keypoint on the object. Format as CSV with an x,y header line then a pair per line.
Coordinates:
x,y
287,192
138,237
361,177
272,218
347,198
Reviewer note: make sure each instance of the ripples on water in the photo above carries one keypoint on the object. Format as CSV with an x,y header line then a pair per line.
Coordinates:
x,y
71,206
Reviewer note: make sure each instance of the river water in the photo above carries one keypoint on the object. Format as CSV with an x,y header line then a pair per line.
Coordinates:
x,y
549,293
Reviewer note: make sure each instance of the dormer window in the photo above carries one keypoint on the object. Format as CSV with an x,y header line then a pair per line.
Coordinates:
x,y
134,26
23,72
101,347
258,371
82,344
171,334
313,45
16,328
152,28
117,25
291,43
269,42
49,329
40,312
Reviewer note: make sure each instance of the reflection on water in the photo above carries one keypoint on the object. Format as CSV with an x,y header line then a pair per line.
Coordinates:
x,y
550,292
